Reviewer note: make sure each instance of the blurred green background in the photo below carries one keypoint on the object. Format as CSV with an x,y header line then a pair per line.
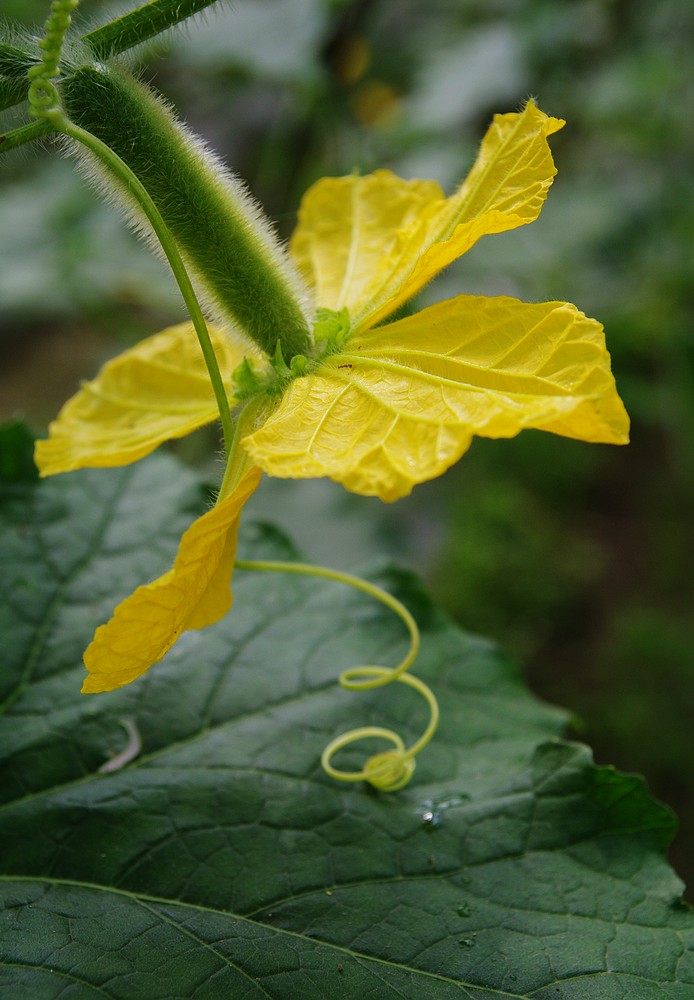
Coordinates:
x,y
578,558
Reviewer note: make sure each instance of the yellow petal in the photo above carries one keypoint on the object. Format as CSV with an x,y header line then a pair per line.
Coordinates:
x,y
153,392
371,243
347,225
403,405
506,188
193,594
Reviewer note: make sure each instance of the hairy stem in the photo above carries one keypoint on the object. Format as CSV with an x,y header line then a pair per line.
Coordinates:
x,y
45,105
140,25
168,245
25,133
125,32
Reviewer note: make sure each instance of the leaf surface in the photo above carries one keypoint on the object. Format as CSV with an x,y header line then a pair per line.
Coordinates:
x,y
220,862
402,402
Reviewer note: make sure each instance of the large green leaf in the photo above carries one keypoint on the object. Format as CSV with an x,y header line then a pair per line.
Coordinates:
x,y
221,863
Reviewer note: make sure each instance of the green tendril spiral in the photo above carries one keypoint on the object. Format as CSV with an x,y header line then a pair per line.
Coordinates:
x,y
43,96
391,769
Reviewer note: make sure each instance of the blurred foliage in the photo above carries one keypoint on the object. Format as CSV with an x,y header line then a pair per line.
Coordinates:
x,y
576,557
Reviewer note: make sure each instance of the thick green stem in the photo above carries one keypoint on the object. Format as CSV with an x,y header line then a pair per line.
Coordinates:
x,y
168,245
45,105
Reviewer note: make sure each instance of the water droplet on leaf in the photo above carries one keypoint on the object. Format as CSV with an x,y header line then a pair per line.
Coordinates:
x,y
431,818
432,810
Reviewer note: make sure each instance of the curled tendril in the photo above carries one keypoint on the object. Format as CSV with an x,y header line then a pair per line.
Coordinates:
x,y
44,101
391,769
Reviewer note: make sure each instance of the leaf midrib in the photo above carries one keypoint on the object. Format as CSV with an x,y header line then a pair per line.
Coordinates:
x,y
150,903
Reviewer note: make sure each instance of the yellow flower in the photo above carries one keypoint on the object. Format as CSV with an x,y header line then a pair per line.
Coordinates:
x,y
156,391
194,593
379,407
399,403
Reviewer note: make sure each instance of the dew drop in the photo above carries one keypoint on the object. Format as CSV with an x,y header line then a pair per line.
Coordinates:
x,y
467,942
431,818
464,910
432,810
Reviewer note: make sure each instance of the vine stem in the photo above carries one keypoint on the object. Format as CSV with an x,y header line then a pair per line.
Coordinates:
x,y
391,769
45,105
111,39
24,133
139,25
140,194
138,191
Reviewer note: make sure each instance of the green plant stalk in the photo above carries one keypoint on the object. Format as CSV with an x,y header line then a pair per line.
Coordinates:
x,y
168,245
25,133
45,105
134,28
140,25
237,459
221,234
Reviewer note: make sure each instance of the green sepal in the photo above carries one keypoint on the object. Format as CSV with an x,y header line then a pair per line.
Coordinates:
x,y
331,329
247,381
299,365
282,369
284,373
